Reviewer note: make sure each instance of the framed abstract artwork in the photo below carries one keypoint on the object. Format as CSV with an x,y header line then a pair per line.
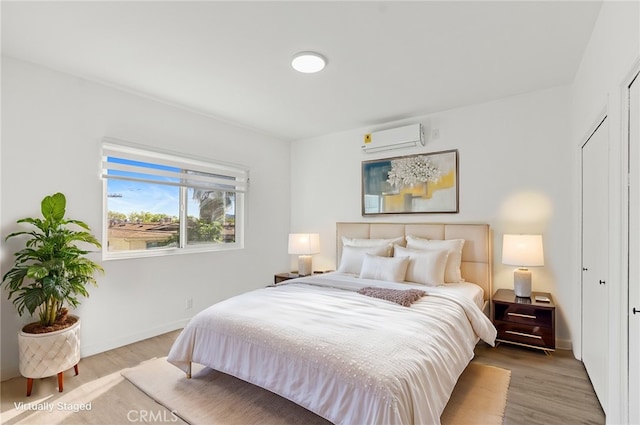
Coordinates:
x,y
412,184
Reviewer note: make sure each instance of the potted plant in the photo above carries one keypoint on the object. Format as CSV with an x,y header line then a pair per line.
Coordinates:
x,y
50,273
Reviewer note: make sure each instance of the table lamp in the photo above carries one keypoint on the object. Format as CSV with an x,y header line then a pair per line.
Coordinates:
x,y
522,251
304,245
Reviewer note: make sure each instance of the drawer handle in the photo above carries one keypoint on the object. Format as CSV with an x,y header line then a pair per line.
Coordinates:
x,y
526,316
524,334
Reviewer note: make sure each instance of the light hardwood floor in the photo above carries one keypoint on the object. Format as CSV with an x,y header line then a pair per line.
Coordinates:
x,y
544,389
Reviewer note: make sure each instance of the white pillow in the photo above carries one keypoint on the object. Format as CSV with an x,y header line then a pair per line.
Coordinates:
x,y
374,242
391,269
425,266
353,256
452,272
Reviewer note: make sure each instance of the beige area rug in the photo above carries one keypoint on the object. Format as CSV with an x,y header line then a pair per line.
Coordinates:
x,y
212,397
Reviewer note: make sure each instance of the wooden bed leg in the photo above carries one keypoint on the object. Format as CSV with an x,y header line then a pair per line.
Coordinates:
x,y
60,381
75,368
29,386
189,371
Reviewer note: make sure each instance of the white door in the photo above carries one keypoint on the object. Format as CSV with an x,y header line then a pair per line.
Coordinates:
x,y
595,265
634,252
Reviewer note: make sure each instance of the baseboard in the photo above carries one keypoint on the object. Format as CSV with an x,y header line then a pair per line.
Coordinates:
x,y
9,373
564,344
103,346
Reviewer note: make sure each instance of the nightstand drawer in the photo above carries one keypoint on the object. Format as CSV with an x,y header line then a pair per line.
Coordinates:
x,y
525,314
281,277
539,336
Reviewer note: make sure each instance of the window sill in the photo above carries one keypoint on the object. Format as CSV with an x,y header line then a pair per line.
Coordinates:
x,y
130,255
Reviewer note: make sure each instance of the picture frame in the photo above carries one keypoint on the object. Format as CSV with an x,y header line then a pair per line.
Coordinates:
x,y
424,183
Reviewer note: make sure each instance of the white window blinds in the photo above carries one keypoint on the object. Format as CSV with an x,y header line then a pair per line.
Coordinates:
x,y
126,161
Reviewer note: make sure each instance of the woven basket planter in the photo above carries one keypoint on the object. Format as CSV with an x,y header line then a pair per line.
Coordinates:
x,y
48,354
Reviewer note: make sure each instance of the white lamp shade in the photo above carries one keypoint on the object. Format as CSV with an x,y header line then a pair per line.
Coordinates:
x,y
304,243
522,250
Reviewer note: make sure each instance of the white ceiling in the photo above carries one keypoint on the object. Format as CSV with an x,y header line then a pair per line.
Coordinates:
x,y
231,60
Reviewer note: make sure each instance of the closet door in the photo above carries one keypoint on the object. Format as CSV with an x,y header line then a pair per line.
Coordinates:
x,y
634,251
595,265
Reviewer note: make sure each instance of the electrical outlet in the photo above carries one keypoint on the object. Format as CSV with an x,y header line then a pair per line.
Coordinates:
x,y
188,304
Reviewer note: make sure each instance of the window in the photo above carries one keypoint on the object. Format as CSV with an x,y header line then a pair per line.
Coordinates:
x,y
160,203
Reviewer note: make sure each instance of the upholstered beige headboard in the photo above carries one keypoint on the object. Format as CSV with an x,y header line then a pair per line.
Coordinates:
x,y
476,253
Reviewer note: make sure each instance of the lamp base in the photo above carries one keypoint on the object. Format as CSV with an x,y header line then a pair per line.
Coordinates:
x,y
522,283
304,265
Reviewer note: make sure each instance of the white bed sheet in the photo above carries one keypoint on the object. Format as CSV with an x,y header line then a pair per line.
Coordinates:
x,y
466,289
350,358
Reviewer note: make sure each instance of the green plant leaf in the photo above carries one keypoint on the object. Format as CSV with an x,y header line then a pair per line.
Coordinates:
x,y
79,223
32,299
53,207
37,272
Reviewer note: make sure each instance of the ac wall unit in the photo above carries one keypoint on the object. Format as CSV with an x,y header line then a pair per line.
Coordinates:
x,y
394,138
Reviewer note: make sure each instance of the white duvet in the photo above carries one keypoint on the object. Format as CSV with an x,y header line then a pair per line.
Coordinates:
x,y
350,358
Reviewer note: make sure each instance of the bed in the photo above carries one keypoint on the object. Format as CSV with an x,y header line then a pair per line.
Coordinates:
x,y
325,343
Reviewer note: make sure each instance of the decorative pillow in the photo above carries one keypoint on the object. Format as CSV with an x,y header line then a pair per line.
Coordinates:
x,y
375,242
353,256
391,269
452,272
404,297
425,267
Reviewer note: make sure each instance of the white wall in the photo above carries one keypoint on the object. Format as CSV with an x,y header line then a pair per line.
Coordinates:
x,y
612,54
515,174
52,124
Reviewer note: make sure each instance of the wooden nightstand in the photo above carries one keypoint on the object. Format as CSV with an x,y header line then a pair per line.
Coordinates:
x,y
281,277
525,321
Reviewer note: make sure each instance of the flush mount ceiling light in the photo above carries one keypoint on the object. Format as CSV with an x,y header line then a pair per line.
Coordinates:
x,y
308,62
